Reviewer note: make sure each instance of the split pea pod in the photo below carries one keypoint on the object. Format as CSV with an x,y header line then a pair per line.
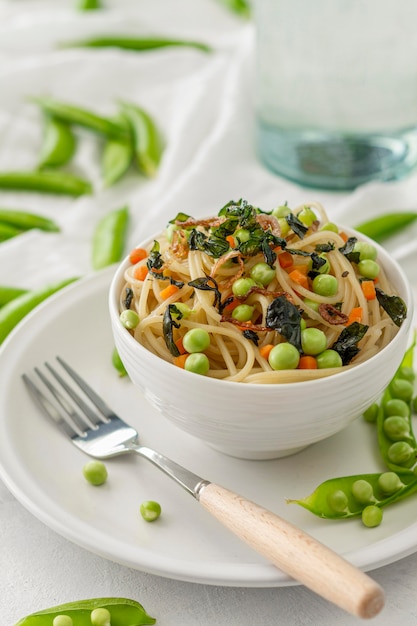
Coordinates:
x,y
23,220
148,143
58,145
75,115
383,226
135,44
15,310
123,612
46,182
117,156
7,294
88,5
109,238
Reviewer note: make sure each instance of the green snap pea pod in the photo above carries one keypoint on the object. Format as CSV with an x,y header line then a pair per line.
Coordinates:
x,y
45,181
117,362
147,139
334,499
10,293
123,612
135,44
15,310
117,156
391,452
109,238
241,7
7,231
74,115
58,145
382,227
26,221
88,5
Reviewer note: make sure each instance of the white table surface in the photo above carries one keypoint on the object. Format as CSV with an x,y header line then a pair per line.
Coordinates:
x,y
210,158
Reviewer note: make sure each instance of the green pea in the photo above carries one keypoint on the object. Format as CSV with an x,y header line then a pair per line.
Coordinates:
x,y
62,620
313,304
303,324
100,617
401,453
197,363
241,286
129,319
366,250
414,405
196,340
325,285
307,216
284,226
284,356
395,406
333,228
362,491
368,269
328,358
389,483
372,516
396,428
323,269
262,273
243,312
150,510
242,235
408,373
338,501
402,389
95,472
371,413
313,341
281,211
184,309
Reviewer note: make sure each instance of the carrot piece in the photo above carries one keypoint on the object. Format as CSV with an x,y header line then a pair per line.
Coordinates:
x,y
231,241
307,362
180,346
137,254
285,259
168,291
179,361
344,236
368,288
140,272
355,315
231,306
299,277
265,350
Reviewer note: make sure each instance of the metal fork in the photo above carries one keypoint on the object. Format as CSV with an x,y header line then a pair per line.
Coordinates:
x,y
102,434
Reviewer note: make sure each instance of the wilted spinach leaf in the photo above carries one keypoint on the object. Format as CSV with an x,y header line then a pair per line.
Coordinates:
x,y
207,283
168,325
180,217
393,305
297,225
213,246
285,318
155,261
251,335
348,250
347,343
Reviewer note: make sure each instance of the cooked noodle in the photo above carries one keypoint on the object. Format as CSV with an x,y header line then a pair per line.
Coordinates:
x,y
232,355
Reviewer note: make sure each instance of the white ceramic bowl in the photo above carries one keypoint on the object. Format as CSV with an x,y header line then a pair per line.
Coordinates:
x,y
260,421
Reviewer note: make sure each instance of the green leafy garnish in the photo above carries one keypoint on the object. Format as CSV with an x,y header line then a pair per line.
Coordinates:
x,y
207,283
394,306
168,325
285,318
347,343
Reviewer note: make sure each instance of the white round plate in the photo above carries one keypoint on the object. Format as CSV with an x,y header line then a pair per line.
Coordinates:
x,y
43,470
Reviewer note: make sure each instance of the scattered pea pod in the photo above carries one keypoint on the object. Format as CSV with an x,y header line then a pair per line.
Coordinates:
x,y
123,612
22,220
117,157
383,226
59,144
118,363
45,181
241,7
109,238
147,140
71,114
135,44
366,494
7,231
17,308
7,294
88,5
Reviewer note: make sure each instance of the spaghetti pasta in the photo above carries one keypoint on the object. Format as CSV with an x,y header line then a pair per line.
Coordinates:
x,y
218,265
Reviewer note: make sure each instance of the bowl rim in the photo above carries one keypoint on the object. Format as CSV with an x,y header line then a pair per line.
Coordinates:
x,y
407,296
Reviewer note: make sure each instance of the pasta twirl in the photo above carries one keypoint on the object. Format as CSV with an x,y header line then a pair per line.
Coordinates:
x,y
254,281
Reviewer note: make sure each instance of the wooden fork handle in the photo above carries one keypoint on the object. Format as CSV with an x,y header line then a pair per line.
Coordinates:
x,y
295,552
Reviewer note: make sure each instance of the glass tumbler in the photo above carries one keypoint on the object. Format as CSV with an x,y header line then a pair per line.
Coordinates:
x,y
336,89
